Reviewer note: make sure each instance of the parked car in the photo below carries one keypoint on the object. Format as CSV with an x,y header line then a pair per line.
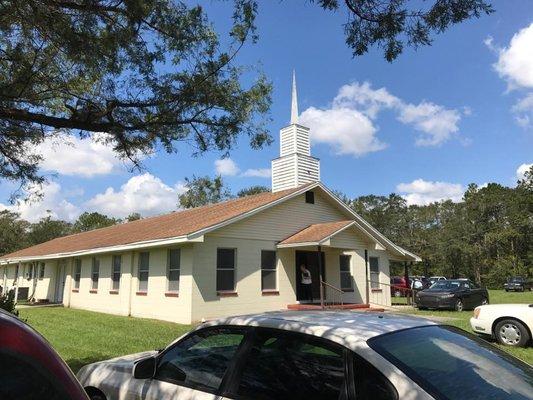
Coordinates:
x,y
518,283
398,286
316,355
510,324
433,279
454,294
29,368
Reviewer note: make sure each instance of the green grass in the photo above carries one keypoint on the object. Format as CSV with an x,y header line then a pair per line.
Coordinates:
x,y
462,319
82,337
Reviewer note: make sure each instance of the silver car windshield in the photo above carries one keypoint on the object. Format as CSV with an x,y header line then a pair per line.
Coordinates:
x,y
450,364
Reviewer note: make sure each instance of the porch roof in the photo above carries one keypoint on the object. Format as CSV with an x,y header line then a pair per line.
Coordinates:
x,y
316,234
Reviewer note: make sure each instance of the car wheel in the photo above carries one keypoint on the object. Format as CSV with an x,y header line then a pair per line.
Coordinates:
x,y
459,305
397,293
512,333
484,301
506,290
95,394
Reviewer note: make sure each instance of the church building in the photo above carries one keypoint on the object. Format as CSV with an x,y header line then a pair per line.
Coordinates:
x,y
240,256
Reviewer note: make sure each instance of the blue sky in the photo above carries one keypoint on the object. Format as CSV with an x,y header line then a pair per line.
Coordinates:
x,y
426,125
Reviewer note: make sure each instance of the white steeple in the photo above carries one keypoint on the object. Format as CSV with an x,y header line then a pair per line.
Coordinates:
x,y
294,105
295,166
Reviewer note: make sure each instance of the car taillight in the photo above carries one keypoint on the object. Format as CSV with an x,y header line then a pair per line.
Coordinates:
x,y
477,310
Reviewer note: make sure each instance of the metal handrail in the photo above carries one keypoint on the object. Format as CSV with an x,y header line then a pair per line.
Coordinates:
x,y
408,293
323,298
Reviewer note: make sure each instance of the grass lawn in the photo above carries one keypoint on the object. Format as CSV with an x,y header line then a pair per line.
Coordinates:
x,y
462,319
81,337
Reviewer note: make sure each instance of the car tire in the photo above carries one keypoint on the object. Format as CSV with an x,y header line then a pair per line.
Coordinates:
x,y
95,394
511,332
459,306
484,301
397,293
506,290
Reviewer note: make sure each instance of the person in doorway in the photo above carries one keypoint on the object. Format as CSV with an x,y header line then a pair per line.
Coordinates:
x,y
307,281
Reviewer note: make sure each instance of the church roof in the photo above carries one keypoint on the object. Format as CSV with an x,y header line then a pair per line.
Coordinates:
x,y
316,234
179,224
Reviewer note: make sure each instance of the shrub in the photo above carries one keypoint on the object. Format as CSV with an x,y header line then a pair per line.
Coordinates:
x,y
7,302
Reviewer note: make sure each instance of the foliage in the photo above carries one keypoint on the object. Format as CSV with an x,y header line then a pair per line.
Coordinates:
x,y
391,24
133,217
12,232
7,302
88,221
202,191
47,229
252,190
149,74
486,237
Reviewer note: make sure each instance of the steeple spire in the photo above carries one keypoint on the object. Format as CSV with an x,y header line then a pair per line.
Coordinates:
x,y
294,106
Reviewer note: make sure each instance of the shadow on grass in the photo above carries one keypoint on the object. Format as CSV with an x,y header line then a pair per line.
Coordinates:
x,y
75,364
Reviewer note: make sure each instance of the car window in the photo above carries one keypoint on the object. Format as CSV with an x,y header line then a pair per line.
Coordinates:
x,y
201,360
446,285
450,364
370,383
292,366
23,381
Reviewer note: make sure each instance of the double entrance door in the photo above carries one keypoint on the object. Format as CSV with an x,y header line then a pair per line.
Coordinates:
x,y
311,261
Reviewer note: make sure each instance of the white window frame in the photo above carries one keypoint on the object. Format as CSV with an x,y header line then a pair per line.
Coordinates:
x,y
77,273
113,272
374,283
234,269
171,268
348,272
147,270
95,270
275,270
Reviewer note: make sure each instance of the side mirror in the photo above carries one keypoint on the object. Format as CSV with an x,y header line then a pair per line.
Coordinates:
x,y
144,368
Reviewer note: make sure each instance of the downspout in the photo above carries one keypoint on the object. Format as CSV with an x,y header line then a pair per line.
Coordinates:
x,y
17,270
132,259
367,289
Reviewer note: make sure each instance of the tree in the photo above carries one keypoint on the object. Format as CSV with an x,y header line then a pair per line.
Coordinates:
x,y
88,221
202,191
133,217
391,24
147,73
47,229
252,190
12,232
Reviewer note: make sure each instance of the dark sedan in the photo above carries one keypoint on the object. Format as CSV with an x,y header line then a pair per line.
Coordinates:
x,y
454,294
517,284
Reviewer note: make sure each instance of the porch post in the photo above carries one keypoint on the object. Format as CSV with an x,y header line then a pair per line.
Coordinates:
x,y
320,275
406,276
367,287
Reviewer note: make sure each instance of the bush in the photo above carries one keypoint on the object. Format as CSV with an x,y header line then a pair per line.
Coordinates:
x,y
7,302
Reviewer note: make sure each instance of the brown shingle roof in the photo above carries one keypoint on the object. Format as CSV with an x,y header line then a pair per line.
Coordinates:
x,y
316,232
171,225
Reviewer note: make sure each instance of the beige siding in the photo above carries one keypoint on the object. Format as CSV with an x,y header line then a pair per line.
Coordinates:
x,y
283,220
207,304
349,239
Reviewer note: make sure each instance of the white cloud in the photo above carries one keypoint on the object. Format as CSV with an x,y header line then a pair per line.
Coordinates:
x,y
523,111
521,171
515,62
348,125
52,202
348,131
436,122
69,155
423,192
145,194
226,167
257,173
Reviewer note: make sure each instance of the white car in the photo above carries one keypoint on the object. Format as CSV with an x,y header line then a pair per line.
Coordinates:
x,y
510,324
315,355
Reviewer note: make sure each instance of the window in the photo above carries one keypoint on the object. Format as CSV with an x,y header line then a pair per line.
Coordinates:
x,y
116,272
370,383
346,276
450,364
200,360
374,272
225,269
29,274
310,197
268,270
292,366
144,269
95,273
16,272
77,273
173,276
41,270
